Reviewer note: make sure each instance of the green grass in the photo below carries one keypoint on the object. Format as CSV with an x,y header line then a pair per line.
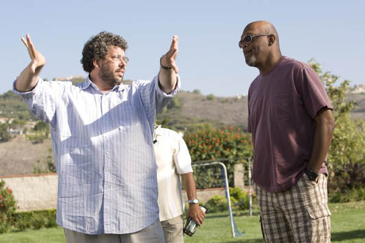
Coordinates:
x,y
348,226
49,235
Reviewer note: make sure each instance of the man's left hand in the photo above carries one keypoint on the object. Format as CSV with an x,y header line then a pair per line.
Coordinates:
x,y
169,59
196,213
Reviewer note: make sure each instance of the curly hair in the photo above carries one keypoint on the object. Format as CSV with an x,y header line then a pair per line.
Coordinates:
x,y
97,47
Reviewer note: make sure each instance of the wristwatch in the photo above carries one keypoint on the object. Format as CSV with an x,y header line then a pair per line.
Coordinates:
x,y
194,201
312,175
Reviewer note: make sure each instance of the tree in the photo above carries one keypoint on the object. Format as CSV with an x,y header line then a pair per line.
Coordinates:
x,y
346,158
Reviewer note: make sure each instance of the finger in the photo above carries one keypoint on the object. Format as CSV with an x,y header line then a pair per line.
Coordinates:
x,y
175,68
24,42
174,43
30,46
199,222
30,43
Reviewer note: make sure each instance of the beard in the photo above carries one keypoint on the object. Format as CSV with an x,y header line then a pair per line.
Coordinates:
x,y
109,76
251,60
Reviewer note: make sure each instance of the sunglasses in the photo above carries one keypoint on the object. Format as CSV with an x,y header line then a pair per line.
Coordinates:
x,y
247,39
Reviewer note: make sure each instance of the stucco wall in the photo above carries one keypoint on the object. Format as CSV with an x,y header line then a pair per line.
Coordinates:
x,y
34,192
39,192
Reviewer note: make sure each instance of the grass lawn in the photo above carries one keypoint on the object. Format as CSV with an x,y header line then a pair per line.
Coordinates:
x,y
348,226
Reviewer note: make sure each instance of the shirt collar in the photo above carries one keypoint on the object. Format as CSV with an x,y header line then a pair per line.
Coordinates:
x,y
84,85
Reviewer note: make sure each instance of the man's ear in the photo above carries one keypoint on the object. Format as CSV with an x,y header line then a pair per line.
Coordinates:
x,y
272,39
96,63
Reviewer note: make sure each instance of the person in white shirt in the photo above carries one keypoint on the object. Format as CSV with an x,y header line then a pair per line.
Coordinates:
x,y
173,159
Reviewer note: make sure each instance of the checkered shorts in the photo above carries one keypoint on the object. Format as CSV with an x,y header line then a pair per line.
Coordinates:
x,y
299,214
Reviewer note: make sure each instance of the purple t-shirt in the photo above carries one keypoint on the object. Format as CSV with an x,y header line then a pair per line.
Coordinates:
x,y
282,106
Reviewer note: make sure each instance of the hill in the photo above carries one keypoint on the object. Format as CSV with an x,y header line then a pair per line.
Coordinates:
x,y
359,112
189,110
19,156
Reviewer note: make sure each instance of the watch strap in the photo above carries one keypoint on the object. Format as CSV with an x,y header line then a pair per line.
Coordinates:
x,y
193,201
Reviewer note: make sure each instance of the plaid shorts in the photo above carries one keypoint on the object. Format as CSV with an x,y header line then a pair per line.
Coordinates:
x,y
299,214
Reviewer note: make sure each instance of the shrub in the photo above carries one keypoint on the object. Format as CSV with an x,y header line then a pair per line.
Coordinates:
x,y
216,204
241,198
225,144
210,97
7,207
346,183
35,220
354,195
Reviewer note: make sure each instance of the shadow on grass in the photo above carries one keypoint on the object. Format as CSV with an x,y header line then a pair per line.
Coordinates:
x,y
245,241
355,234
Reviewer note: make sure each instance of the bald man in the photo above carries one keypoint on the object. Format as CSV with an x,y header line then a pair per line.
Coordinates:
x,y
291,121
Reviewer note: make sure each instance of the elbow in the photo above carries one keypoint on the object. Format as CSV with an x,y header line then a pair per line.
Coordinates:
x,y
326,120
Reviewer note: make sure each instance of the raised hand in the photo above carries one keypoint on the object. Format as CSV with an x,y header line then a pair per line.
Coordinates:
x,y
37,59
28,78
169,59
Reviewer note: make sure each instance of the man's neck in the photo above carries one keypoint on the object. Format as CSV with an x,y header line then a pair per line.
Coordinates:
x,y
103,86
270,64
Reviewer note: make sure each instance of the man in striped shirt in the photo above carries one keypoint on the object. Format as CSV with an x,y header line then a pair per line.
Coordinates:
x,y
102,132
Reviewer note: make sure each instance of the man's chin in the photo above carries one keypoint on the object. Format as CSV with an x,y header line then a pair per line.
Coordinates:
x,y
250,62
118,80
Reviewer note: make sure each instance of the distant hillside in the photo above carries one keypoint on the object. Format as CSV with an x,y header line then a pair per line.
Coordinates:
x,y
187,110
359,112
191,109
19,156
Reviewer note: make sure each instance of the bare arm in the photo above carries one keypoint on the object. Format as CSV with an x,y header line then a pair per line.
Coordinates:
x,y
322,138
194,210
29,76
167,77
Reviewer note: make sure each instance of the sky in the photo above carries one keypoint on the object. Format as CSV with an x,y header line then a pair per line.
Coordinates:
x,y
330,31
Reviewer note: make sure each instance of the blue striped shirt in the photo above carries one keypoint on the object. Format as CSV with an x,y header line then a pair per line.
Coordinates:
x,y
103,151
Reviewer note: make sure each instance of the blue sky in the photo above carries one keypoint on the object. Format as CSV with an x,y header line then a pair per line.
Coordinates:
x,y
209,59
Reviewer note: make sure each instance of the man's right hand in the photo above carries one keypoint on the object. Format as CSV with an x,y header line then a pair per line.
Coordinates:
x,y
38,60
28,79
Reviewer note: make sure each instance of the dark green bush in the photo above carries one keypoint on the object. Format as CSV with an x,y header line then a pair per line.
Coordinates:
x,y
347,183
216,204
241,199
35,220
353,195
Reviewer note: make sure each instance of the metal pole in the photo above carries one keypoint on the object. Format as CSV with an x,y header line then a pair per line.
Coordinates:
x,y
227,192
250,186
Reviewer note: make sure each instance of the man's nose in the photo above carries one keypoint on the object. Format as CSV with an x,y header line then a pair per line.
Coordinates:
x,y
122,63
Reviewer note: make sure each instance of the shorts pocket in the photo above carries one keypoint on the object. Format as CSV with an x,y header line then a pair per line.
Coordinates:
x,y
319,211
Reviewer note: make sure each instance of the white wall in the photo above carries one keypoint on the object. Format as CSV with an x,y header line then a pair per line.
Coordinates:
x,y
34,192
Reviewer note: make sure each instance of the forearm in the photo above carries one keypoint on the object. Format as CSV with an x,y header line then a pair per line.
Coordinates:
x,y
167,78
322,139
28,79
189,185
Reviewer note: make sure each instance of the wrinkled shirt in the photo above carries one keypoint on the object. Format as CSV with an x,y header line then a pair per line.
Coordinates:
x,y
282,107
103,151
173,159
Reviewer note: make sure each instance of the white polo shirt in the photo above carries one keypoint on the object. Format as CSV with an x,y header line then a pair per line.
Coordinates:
x,y
173,158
